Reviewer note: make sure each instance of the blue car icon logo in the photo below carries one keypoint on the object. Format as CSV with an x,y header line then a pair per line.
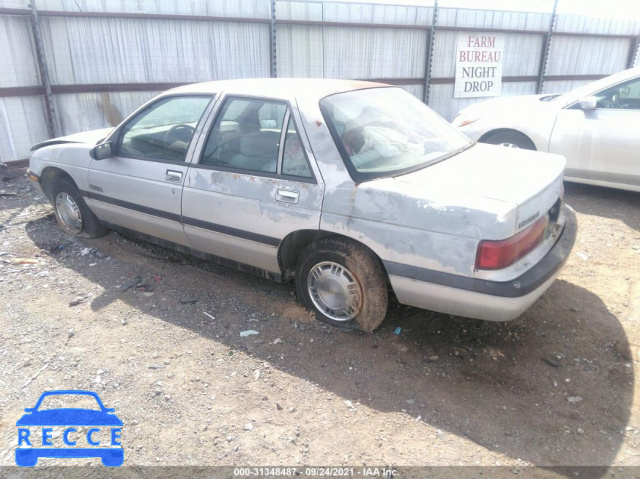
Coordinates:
x,y
101,423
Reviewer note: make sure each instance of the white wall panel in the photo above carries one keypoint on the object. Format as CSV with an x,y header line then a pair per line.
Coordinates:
x,y
214,8
374,53
22,125
18,65
571,55
117,50
90,111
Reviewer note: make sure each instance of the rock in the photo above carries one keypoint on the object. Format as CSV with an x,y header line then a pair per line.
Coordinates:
x,y
71,334
230,438
580,431
188,300
551,361
574,399
292,409
248,427
155,366
76,301
167,398
166,361
278,407
250,332
265,398
85,251
349,404
130,284
256,374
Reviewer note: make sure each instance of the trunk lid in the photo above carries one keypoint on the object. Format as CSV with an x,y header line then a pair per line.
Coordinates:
x,y
528,180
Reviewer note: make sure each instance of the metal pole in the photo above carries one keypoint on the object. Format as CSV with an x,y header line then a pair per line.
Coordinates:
x,y
272,56
545,51
633,52
429,59
44,72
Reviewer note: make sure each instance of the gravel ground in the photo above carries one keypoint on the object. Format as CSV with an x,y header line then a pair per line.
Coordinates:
x,y
553,387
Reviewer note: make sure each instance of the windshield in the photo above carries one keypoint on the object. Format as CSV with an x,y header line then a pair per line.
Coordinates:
x,y
387,132
593,87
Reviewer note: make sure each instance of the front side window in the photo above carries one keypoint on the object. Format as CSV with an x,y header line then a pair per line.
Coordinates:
x,y
246,135
621,97
164,130
388,132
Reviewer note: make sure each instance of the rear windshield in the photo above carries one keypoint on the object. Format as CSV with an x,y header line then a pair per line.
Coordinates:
x,y
388,132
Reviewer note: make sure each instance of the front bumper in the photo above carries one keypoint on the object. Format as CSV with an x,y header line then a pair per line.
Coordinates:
x,y
478,298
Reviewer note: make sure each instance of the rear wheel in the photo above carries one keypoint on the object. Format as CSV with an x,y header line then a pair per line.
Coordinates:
x,y
72,213
510,139
343,283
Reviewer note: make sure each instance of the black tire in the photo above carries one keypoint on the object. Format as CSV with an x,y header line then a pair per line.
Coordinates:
x,y
89,225
512,139
366,301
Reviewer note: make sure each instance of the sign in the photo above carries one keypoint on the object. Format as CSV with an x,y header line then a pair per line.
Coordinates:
x,y
36,436
478,65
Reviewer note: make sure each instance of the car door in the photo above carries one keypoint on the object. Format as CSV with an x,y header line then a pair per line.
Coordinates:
x,y
140,186
253,184
602,144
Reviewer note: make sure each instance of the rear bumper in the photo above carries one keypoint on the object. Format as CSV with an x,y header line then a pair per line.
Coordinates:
x,y
478,298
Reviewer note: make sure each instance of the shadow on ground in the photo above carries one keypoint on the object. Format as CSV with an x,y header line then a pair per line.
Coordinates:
x,y
605,202
553,387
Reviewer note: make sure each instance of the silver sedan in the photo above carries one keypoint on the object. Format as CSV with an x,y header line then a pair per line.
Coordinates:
x,y
595,127
348,188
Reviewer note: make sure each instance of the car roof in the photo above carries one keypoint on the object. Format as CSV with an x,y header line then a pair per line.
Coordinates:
x,y
277,88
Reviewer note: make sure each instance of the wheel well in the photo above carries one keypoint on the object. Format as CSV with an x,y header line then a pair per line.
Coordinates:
x,y
295,243
488,134
50,176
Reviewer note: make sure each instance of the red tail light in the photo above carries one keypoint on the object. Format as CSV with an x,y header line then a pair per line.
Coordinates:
x,y
500,254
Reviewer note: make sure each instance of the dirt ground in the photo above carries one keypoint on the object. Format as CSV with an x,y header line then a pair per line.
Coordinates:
x,y
553,387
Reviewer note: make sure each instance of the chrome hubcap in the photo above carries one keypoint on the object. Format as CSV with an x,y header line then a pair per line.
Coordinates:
x,y
335,291
69,212
508,145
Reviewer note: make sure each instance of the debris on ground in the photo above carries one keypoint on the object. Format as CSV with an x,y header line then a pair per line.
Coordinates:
x,y
130,284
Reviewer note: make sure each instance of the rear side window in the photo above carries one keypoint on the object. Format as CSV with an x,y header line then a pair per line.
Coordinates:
x,y
246,136
254,135
164,130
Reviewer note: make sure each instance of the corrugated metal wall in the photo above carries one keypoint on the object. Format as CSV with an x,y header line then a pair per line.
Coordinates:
x,y
313,39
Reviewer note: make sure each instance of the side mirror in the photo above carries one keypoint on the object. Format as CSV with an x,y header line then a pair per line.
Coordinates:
x,y
29,409
588,103
101,151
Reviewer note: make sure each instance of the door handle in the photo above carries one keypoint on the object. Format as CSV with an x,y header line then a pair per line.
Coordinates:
x,y
173,175
287,196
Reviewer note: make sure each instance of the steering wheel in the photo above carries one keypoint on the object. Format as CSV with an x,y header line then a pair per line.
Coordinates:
x,y
176,133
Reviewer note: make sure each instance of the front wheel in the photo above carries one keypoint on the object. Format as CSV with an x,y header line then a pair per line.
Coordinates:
x,y
73,214
343,283
510,139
